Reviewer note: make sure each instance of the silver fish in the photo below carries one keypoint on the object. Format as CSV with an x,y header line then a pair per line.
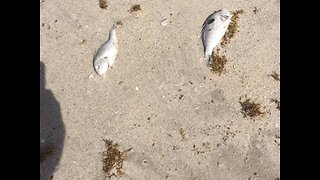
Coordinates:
x,y
107,53
213,30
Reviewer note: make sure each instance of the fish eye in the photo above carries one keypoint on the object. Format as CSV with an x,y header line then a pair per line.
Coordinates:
x,y
224,17
210,21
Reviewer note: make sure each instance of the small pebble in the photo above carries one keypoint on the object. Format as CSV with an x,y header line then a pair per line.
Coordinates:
x,y
91,75
164,22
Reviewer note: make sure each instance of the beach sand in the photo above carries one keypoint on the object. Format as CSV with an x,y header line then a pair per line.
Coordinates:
x,y
181,120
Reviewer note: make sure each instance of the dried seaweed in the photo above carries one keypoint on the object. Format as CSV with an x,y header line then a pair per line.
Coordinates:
x,y
218,63
233,28
275,76
113,158
182,133
277,103
135,8
119,23
251,109
103,4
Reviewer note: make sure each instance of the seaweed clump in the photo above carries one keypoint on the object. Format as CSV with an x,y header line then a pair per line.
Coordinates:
x,y
251,109
275,76
182,133
233,28
135,8
103,4
277,103
113,158
119,23
218,63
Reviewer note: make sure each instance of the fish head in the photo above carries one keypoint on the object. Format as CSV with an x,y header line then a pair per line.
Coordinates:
x,y
101,65
219,17
213,29
225,14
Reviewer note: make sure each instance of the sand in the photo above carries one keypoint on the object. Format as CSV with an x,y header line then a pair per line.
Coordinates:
x,y
160,99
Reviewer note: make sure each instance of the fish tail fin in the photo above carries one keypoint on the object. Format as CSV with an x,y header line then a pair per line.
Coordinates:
x,y
112,33
208,59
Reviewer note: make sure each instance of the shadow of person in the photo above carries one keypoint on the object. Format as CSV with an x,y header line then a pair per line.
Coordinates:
x,y
52,131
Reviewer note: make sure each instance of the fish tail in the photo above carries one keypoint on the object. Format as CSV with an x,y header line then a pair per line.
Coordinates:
x,y
112,34
208,59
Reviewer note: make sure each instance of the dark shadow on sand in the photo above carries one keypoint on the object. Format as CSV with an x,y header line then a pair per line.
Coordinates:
x,y
52,131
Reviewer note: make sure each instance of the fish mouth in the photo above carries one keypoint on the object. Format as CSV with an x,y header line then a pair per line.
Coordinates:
x,y
224,17
225,14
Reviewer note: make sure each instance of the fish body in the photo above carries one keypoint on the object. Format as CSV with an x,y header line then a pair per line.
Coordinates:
x,y
213,30
106,54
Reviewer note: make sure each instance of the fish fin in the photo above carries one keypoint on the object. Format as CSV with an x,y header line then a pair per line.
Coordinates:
x,y
208,59
112,31
203,38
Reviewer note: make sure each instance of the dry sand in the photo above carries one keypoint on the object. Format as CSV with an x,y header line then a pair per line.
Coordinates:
x,y
181,120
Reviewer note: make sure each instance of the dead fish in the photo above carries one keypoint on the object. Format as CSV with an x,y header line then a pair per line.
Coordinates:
x,y
107,53
213,30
